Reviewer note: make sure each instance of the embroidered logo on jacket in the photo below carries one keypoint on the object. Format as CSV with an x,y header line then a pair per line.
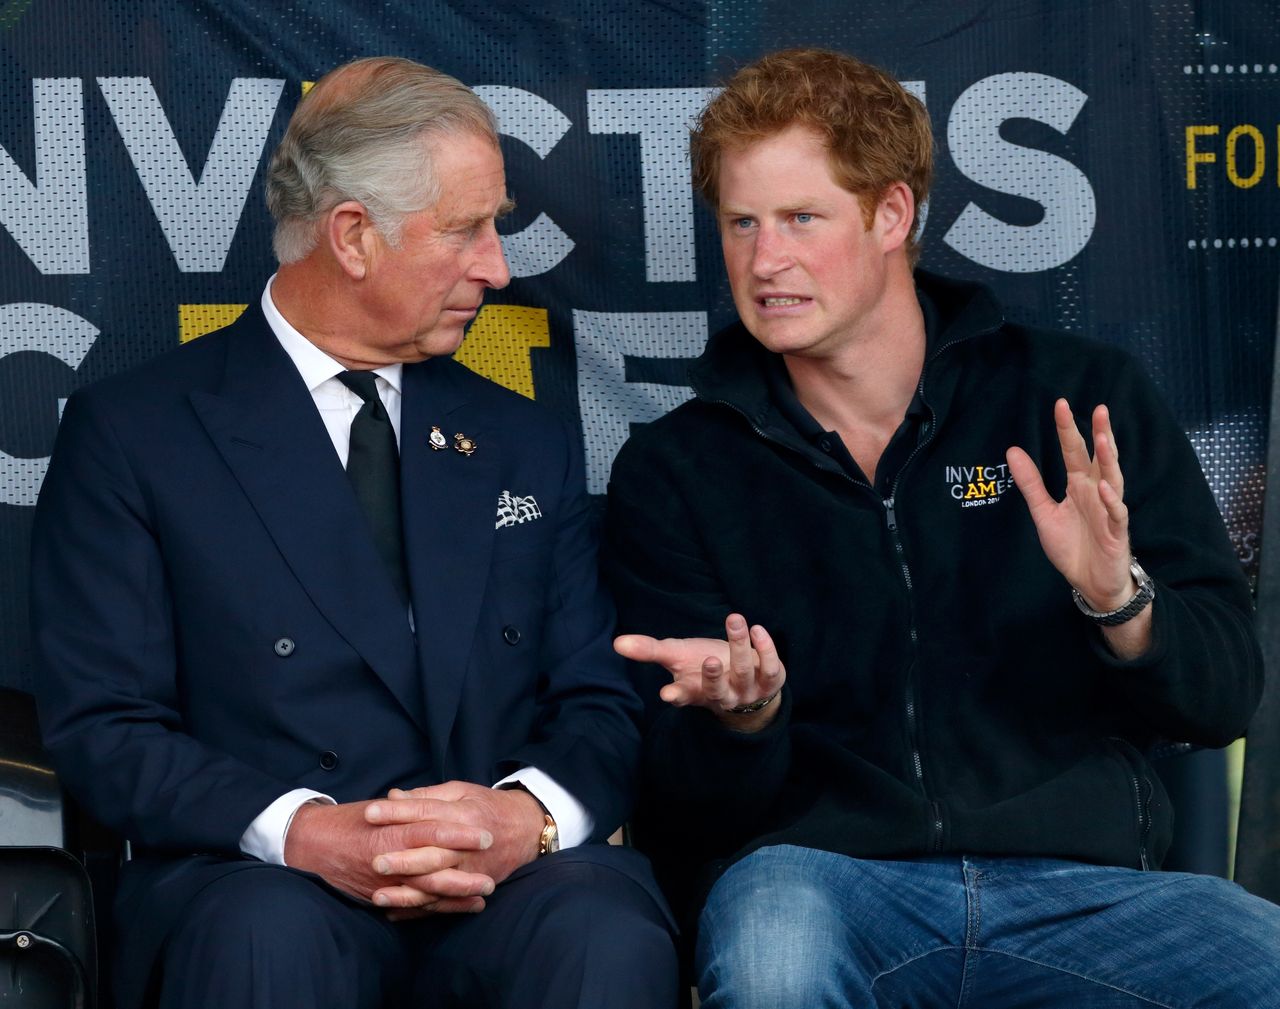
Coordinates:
x,y
974,486
513,509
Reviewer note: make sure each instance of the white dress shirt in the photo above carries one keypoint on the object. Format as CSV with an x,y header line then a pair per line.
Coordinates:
x,y
338,406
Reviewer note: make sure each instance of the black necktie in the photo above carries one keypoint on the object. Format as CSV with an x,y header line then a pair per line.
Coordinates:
x,y
373,465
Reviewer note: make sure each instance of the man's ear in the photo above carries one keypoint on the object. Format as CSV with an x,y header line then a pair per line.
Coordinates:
x,y
352,237
895,215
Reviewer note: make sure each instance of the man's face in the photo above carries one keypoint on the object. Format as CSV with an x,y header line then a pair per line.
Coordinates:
x,y
422,293
806,272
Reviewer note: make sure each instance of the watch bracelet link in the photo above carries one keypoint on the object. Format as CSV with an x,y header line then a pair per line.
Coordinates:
x,y
1138,602
754,706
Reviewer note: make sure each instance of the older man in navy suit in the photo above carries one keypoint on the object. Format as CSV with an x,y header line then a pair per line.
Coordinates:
x,y
317,619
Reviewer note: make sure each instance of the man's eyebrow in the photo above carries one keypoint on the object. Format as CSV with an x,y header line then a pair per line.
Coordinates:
x,y
804,205
505,207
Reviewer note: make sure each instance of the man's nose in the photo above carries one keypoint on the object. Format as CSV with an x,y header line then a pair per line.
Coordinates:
x,y
769,255
491,264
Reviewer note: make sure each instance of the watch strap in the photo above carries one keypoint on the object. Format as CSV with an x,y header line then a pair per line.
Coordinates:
x,y
1138,602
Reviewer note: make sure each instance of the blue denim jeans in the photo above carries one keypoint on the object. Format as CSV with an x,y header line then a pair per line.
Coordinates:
x,y
796,928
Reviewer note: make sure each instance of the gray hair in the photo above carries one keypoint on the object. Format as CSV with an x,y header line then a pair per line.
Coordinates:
x,y
362,134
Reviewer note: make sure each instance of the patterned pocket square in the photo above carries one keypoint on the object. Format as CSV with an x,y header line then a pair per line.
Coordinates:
x,y
513,509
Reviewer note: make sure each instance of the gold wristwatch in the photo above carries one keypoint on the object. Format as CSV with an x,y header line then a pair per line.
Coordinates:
x,y
549,839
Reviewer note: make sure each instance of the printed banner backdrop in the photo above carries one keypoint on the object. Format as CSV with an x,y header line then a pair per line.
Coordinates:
x,y
1108,167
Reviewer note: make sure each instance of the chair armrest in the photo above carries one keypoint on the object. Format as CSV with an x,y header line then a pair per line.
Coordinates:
x,y
32,810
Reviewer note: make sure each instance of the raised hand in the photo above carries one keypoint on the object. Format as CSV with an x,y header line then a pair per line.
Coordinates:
x,y
719,675
1086,534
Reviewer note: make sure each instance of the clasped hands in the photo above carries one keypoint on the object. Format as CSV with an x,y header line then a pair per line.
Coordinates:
x,y
441,848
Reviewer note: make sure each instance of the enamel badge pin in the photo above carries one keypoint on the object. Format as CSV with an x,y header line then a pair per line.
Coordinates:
x,y
436,439
463,444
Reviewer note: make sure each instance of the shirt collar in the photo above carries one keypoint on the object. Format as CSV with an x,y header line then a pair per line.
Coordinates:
x,y
313,364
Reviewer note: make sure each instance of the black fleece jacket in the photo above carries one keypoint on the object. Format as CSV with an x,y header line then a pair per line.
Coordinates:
x,y
943,693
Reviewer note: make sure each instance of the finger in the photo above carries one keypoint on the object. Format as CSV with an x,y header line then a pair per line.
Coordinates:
x,y
1026,476
771,674
447,905
1117,510
1105,450
713,686
416,861
742,657
449,791
1075,453
453,883
639,647
677,693
405,895
420,792
1102,423
440,834
406,810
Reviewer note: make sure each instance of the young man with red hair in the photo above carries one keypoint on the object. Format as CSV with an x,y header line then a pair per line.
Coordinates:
x,y
926,782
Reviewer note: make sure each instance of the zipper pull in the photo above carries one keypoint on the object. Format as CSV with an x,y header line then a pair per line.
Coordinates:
x,y
889,515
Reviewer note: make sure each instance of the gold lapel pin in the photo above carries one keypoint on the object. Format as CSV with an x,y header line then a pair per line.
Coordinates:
x,y
463,444
436,439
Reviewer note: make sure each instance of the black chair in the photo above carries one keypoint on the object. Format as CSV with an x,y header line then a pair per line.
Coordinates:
x,y
48,954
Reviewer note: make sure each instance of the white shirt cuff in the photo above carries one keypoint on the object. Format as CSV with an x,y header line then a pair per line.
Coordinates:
x,y
573,823
264,837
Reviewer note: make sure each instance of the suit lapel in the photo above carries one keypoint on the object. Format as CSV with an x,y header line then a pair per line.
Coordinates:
x,y
450,505
266,426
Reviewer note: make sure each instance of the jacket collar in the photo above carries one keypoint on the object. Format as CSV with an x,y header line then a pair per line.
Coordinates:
x,y
264,423
733,369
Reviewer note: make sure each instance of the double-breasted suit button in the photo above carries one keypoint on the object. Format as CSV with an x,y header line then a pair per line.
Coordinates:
x,y
511,635
328,760
284,647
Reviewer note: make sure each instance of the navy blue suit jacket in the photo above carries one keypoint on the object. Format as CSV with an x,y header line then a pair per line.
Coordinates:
x,y
195,515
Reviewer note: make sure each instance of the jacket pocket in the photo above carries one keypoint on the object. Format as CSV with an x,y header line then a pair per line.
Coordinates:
x,y
1150,802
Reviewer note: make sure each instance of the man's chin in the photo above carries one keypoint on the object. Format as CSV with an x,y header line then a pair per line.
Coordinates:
x,y
782,340
440,343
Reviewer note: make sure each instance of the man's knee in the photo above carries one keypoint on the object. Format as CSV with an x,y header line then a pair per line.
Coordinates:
x,y
251,933
259,909
595,911
567,933
772,934
1231,938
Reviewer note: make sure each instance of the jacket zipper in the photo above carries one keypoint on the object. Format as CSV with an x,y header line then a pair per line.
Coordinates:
x,y
1141,804
936,825
911,688
1144,822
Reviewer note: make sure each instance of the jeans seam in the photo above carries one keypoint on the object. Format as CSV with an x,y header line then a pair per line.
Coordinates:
x,y
972,927
1077,974
910,960
710,959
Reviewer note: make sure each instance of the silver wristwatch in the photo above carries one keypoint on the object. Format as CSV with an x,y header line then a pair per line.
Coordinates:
x,y
1139,602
